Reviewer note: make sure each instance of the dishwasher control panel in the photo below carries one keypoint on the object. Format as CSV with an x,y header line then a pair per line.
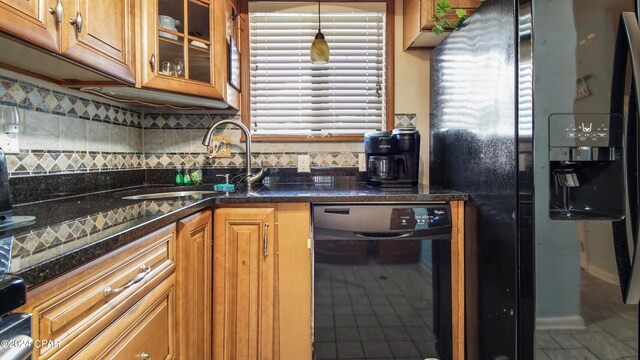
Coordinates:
x,y
381,220
410,218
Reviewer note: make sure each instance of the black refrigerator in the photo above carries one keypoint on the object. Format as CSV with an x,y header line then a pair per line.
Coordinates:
x,y
534,112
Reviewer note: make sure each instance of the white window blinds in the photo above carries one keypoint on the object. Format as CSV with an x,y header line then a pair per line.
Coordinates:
x,y
291,96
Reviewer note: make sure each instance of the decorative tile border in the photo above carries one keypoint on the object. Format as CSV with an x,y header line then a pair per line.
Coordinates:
x,y
404,120
276,160
186,121
38,162
28,248
38,98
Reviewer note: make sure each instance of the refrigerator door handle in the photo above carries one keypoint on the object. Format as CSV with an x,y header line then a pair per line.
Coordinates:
x,y
626,231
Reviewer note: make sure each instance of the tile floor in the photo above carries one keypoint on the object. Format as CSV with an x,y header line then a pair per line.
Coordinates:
x,y
374,312
611,328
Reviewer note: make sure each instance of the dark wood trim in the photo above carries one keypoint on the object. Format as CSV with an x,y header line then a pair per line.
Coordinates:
x,y
245,107
301,138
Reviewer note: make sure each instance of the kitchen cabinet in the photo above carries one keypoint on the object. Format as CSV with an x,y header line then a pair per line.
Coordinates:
x,y
418,21
244,283
31,21
182,46
97,34
145,331
262,282
194,274
80,310
100,36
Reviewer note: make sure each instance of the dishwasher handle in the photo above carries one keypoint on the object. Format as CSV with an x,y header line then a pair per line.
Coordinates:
x,y
383,235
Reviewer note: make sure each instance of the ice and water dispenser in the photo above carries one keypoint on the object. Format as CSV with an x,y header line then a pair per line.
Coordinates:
x,y
585,166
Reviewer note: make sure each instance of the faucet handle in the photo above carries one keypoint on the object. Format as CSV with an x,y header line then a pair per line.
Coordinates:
x,y
225,176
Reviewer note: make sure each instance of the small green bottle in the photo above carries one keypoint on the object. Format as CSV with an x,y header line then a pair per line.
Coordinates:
x,y
186,179
179,179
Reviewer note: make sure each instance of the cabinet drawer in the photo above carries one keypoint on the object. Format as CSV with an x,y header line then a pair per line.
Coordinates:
x,y
101,292
147,328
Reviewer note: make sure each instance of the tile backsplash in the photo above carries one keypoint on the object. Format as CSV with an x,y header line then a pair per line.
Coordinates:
x,y
67,131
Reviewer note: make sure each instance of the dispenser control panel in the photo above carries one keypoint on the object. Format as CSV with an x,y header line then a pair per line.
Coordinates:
x,y
585,130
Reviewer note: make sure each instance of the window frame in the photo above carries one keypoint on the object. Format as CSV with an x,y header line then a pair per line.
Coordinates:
x,y
245,78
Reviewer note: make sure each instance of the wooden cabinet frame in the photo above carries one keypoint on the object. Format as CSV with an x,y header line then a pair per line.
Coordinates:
x,y
457,280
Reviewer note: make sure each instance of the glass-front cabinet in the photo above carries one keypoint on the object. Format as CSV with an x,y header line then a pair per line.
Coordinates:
x,y
184,46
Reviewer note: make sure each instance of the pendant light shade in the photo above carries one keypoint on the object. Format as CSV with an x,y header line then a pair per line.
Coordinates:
x,y
319,48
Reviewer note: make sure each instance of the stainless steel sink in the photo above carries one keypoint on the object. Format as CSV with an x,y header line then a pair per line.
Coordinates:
x,y
172,194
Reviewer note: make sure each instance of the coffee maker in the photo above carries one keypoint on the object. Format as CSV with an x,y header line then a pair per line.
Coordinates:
x,y
392,157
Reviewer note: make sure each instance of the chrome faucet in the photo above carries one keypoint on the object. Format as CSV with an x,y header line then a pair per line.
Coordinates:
x,y
249,178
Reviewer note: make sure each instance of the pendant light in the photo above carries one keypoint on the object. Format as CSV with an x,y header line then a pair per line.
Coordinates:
x,y
319,47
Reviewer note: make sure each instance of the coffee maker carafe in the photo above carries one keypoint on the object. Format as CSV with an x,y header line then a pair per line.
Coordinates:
x,y
392,157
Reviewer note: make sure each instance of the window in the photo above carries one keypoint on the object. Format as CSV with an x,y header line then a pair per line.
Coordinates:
x,y
291,96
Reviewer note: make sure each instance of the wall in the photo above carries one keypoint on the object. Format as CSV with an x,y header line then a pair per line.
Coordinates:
x,y
557,249
412,89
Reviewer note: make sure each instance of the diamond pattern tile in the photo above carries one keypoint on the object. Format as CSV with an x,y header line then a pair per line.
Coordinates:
x,y
404,120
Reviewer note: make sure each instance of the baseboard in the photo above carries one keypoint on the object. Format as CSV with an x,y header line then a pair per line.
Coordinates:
x,y
603,275
560,323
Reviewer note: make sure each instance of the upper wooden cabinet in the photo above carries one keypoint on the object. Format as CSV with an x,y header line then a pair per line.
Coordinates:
x,y
418,21
32,21
183,46
97,34
100,34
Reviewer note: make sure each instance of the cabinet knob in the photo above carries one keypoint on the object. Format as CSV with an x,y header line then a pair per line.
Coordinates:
x,y
77,22
152,62
145,356
57,12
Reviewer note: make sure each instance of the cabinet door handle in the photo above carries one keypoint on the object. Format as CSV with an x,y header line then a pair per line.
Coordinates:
x,y
152,62
77,22
143,272
57,12
145,356
265,240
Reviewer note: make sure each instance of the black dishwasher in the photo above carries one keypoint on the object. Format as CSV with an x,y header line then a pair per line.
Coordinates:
x,y
382,281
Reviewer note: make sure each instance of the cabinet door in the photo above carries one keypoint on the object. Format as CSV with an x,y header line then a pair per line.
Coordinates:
x,y
31,21
183,46
244,285
194,284
101,36
145,331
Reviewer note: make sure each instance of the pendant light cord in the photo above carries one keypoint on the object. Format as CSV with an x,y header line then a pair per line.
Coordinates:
x,y
319,16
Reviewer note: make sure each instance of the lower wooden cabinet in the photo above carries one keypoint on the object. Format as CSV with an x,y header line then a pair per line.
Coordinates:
x,y
239,288
262,282
146,331
194,274
244,287
79,307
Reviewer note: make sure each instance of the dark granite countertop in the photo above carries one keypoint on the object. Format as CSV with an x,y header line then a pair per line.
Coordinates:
x,y
72,231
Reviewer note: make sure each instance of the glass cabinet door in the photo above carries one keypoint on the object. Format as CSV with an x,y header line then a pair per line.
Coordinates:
x,y
184,25
182,47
